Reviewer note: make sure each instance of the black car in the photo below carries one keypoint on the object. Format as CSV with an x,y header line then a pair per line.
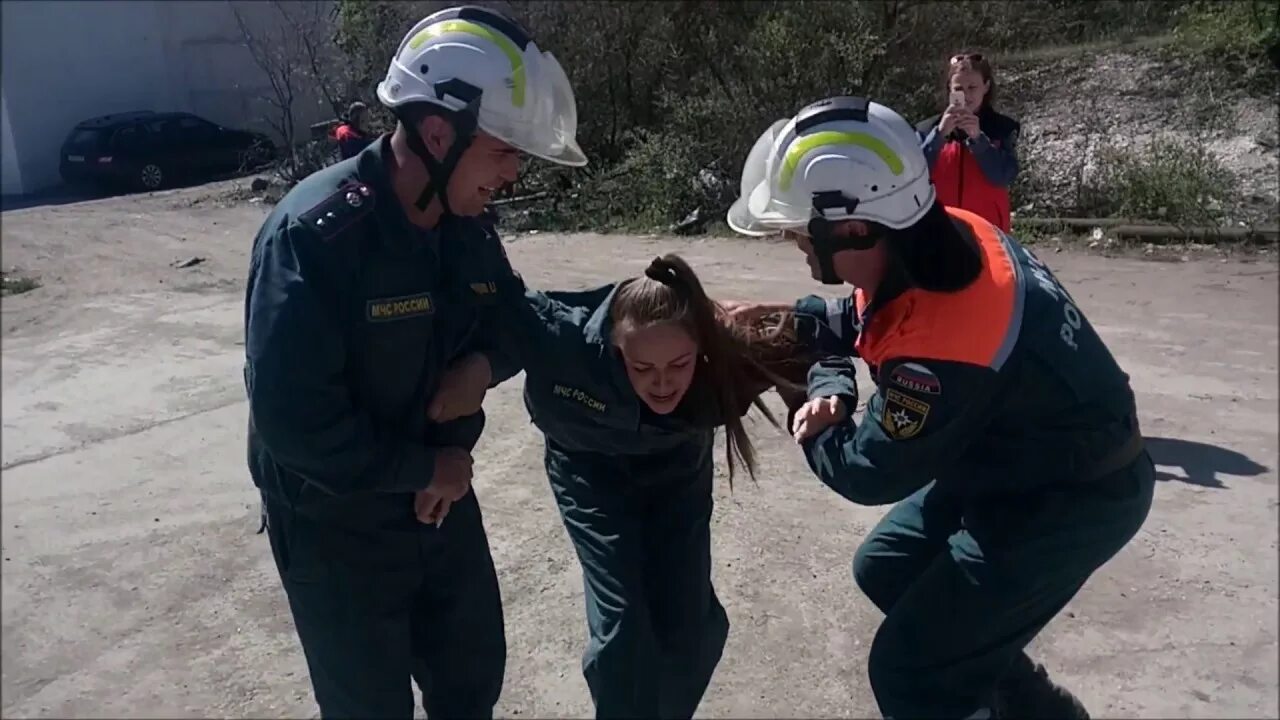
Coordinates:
x,y
149,150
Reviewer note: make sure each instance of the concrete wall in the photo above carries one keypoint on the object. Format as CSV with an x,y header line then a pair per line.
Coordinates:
x,y
68,60
12,177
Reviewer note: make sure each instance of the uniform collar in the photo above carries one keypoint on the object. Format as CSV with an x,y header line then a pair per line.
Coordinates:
x,y
598,329
374,170
891,287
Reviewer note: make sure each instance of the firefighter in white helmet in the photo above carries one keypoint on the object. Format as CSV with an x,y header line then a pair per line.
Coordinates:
x,y
1001,428
370,286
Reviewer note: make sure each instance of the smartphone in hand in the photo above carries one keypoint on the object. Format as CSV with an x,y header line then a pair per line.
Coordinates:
x,y
957,99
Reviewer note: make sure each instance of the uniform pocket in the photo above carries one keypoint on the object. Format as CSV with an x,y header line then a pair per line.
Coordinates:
x,y
293,547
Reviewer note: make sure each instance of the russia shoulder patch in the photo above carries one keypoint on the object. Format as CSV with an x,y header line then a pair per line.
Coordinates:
x,y
916,378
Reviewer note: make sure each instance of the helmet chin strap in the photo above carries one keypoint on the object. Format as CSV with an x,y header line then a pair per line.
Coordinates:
x,y
826,241
439,171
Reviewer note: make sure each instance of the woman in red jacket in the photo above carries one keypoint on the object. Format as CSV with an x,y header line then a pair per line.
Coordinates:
x,y
971,148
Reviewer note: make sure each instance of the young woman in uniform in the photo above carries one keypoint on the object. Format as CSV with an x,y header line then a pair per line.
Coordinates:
x,y
628,382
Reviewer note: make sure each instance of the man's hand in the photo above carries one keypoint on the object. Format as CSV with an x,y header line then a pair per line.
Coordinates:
x,y
817,415
449,484
462,389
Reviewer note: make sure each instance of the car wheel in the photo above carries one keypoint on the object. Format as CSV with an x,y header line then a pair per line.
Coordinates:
x,y
151,177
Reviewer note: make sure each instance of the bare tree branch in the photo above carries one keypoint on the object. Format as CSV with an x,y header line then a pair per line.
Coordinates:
x,y
293,54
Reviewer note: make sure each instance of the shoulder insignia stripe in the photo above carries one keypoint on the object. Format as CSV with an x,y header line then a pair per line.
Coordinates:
x,y
339,210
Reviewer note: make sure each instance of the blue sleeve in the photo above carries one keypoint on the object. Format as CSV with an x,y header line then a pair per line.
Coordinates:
x,y
531,326
503,364
998,164
827,325
834,376
923,416
299,402
931,143
505,356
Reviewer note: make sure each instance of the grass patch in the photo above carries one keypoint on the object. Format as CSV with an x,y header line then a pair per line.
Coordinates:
x,y
1231,27
1087,49
1236,42
11,284
1170,180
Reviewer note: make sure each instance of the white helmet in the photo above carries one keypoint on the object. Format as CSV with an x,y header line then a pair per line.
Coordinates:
x,y
841,158
475,60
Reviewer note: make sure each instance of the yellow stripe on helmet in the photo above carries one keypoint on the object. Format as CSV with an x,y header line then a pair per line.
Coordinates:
x,y
803,145
502,41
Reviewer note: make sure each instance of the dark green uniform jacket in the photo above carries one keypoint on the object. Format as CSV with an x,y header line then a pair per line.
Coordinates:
x,y
999,388
351,316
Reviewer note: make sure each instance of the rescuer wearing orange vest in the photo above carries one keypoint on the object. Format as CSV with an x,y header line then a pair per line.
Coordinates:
x,y
352,136
1001,427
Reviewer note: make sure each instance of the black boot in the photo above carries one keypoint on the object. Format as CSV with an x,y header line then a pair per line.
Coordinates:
x,y
1027,693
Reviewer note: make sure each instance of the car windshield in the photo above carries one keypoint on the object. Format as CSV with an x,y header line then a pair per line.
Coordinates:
x,y
85,140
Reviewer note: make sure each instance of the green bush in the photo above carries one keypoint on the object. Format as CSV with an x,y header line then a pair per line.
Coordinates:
x,y
16,284
671,94
1230,27
1171,181
1238,40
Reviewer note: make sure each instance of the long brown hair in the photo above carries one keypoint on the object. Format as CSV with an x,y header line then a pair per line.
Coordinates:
x,y
670,292
967,61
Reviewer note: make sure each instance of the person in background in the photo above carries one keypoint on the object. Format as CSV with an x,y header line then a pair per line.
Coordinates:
x,y
971,148
353,134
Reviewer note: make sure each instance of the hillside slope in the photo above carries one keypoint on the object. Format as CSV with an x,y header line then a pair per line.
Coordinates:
x,y
1076,104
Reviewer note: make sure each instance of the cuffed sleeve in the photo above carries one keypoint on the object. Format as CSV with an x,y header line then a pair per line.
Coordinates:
x,y
921,419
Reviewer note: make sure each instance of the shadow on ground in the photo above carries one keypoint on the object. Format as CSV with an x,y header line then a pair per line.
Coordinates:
x,y
1201,462
55,196
66,194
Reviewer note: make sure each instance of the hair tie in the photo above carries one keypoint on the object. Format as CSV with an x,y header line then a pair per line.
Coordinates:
x,y
661,271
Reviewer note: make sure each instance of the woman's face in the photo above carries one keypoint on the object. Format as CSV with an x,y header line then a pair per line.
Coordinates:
x,y
970,82
660,361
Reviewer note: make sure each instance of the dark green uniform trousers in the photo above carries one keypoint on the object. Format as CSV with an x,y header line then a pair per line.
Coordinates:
x,y
375,609
656,629
965,584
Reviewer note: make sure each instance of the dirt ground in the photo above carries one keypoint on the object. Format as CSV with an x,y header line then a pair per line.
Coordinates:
x,y
134,585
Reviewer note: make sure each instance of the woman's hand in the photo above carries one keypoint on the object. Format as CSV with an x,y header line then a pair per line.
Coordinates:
x,y
462,389
968,122
817,415
950,121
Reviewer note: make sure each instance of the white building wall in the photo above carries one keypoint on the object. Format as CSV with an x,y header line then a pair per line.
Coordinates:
x,y
65,61
11,182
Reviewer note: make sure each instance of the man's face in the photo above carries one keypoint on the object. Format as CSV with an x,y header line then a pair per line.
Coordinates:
x,y
860,268
486,165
